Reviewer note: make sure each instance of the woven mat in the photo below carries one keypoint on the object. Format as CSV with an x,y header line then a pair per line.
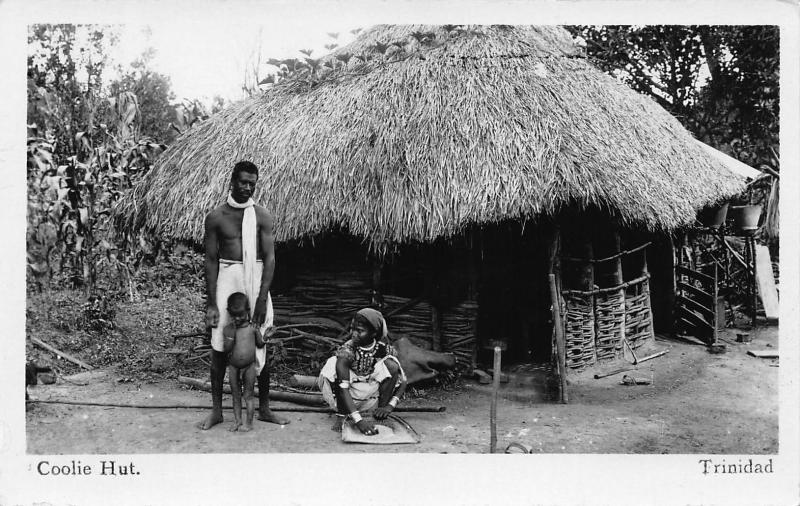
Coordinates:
x,y
391,431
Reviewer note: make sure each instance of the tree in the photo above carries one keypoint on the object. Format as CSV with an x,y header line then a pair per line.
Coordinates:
x,y
740,105
65,77
154,95
305,70
720,82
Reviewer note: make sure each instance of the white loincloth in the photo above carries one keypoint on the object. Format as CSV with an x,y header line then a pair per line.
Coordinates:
x,y
230,279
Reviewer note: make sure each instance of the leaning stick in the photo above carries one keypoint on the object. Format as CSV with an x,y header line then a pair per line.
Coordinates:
x,y
293,409
654,355
611,373
65,356
630,348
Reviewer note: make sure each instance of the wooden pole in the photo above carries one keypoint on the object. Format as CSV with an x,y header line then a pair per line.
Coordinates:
x,y
715,293
301,380
292,409
556,265
646,285
618,279
495,391
312,399
587,279
616,276
673,288
65,356
654,355
561,367
586,274
677,261
751,242
553,261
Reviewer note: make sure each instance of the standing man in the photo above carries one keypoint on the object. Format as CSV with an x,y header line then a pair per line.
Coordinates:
x,y
240,257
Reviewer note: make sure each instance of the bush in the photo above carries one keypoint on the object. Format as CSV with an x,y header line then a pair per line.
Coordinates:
x,y
97,314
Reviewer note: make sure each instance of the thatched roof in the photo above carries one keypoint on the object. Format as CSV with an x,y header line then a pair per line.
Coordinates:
x,y
474,125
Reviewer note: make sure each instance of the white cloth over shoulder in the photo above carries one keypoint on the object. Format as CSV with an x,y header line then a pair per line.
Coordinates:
x,y
245,276
249,248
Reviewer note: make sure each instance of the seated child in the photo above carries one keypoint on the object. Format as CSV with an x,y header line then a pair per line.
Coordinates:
x,y
240,341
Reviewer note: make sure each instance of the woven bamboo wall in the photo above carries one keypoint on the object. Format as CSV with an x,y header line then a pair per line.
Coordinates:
x,y
579,330
597,322
331,298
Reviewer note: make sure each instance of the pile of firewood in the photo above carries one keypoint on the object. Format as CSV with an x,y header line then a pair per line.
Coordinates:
x,y
312,320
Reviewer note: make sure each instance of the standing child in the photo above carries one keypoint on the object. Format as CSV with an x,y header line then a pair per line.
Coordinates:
x,y
240,342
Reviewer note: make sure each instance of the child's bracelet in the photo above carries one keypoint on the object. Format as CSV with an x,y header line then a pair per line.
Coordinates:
x,y
356,416
344,384
393,401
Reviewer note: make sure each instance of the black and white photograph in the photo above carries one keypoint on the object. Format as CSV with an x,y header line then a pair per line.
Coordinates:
x,y
324,240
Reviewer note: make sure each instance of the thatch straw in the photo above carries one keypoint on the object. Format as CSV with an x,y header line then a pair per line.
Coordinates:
x,y
477,126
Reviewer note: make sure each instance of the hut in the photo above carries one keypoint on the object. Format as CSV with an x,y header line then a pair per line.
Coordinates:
x,y
442,173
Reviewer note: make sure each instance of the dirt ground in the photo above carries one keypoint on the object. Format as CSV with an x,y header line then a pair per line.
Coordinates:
x,y
697,403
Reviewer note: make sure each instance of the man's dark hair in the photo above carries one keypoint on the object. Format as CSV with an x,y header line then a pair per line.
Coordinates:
x,y
244,166
238,302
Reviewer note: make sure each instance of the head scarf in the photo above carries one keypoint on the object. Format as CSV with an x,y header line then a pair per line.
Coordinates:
x,y
375,319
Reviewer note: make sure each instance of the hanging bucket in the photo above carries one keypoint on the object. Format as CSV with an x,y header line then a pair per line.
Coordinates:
x,y
745,218
713,216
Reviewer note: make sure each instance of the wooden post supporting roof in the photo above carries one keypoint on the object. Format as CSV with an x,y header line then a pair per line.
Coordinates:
x,y
561,353
618,280
586,274
578,278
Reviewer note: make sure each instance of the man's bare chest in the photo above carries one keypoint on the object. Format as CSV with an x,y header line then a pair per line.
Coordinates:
x,y
229,237
230,226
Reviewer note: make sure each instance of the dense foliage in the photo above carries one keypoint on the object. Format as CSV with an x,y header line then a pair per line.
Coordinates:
x,y
88,141
154,94
84,148
721,82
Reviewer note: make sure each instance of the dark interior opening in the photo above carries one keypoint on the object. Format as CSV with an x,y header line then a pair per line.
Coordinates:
x,y
504,267
514,292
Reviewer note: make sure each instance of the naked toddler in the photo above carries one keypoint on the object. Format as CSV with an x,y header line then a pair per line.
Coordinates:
x,y
240,342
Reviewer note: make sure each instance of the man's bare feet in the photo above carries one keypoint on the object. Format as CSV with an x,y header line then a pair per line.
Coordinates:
x,y
265,415
337,424
235,426
246,427
210,421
